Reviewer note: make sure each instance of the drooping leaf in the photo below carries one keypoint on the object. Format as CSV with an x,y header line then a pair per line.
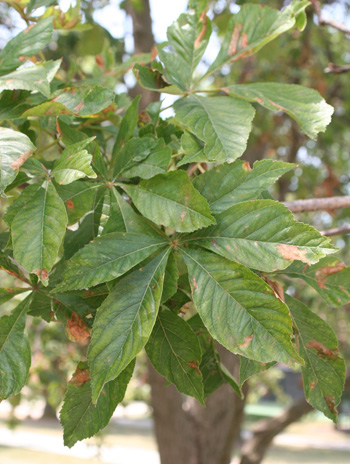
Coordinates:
x,y
24,45
127,126
84,100
304,105
134,150
15,148
81,418
38,230
125,321
35,78
7,294
170,279
253,27
73,164
174,351
263,235
330,277
193,148
249,367
15,355
239,309
188,38
171,200
324,369
224,186
106,258
153,79
223,123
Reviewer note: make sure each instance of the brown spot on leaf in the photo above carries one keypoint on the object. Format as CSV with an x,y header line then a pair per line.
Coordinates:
x,y
77,328
291,252
79,106
99,61
203,18
195,283
244,40
276,287
19,161
324,272
320,284
70,204
183,214
247,341
259,100
194,365
9,81
42,274
80,377
322,350
232,48
246,166
329,399
28,28
312,385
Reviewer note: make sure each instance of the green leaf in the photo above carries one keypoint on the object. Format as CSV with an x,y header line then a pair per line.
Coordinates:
x,y
15,354
38,230
249,367
35,78
239,309
157,162
214,372
224,186
170,279
7,294
304,105
223,123
193,149
84,100
24,45
15,148
153,79
125,321
253,27
80,417
50,108
74,240
134,150
188,38
127,126
263,235
174,351
329,277
106,258
171,200
73,164
324,369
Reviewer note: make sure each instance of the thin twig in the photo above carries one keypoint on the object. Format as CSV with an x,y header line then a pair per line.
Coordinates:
x,y
318,204
335,69
336,231
328,22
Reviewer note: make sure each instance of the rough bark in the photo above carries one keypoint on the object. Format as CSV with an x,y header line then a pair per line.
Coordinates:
x,y
255,448
187,432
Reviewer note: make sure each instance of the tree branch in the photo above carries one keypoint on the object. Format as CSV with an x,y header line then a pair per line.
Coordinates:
x,y
328,22
318,204
336,231
335,69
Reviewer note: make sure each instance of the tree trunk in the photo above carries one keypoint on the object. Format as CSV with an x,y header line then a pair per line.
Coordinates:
x,y
187,432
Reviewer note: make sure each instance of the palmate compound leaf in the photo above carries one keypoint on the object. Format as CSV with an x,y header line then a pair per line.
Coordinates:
x,y
223,123
239,309
330,277
171,200
263,235
188,38
304,105
74,163
324,369
173,349
80,417
125,321
26,44
35,78
38,230
108,257
226,185
15,357
253,27
15,148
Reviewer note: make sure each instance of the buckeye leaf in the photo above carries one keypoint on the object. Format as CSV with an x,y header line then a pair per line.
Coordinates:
x,y
171,200
153,79
134,150
329,277
125,321
106,258
188,38
253,27
174,351
239,309
233,183
74,163
304,105
85,100
38,230
249,367
7,294
35,78
223,123
15,148
127,126
324,369
26,44
263,235
81,418
15,354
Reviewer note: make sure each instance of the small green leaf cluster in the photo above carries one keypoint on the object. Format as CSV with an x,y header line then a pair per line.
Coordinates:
x,y
117,239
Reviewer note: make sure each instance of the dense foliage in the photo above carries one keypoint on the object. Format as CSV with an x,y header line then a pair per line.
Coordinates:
x,y
114,235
